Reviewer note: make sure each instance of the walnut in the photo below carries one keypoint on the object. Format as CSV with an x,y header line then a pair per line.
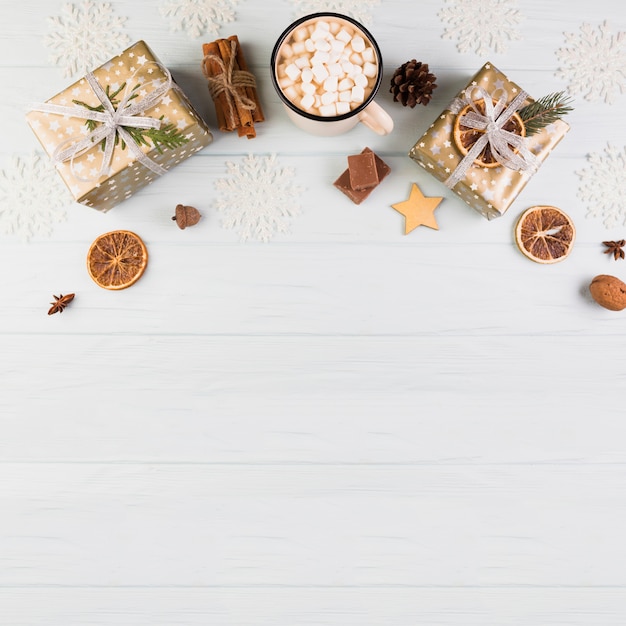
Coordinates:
x,y
609,292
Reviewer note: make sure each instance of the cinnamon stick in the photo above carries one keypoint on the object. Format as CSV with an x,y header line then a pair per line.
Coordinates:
x,y
251,92
231,112
211,68
226,51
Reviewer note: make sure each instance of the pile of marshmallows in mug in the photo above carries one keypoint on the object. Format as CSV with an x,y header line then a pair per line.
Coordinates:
x,y
326,68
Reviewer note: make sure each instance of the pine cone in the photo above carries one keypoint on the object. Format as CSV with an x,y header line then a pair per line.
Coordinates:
x,y
413,84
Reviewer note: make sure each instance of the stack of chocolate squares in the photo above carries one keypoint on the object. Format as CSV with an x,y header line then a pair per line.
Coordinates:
x,y
365,172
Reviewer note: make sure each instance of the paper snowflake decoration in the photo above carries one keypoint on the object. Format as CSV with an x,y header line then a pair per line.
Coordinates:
x,y
198,16
594,63
258,198
32,197
85,36
603,186
360,10
481,25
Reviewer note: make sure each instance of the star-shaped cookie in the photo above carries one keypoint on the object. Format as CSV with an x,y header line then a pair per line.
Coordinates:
x,y
418,210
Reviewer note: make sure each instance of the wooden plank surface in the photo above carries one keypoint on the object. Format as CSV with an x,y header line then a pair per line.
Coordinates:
x,y
312,525
343,426
332,605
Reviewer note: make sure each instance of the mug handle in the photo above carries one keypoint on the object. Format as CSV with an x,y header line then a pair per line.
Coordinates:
x,y
376,118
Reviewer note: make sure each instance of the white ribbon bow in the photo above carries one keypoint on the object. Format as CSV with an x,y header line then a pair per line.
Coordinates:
x,y
112,123
508,148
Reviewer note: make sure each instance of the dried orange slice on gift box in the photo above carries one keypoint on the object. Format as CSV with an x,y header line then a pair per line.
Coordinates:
x,y
465,137
117,259
545,234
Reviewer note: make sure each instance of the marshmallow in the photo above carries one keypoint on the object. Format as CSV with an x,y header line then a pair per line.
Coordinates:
x,y
307,102
302,62
328,110
335,70
368,55
293,71
322,45
357,43
360,80
334,57
345,84
331,83
337,45
344,35
320,73
342,108
356,58
345,96
328,97
306,76
319,57
300,34
357,94
369,69
291,92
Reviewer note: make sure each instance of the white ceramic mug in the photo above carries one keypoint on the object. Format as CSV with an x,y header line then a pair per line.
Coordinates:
x,y
367,112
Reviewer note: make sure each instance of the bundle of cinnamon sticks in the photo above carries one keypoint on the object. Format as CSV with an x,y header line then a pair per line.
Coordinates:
x,y
232,87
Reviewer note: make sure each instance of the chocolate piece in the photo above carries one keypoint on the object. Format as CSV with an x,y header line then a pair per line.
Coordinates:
x,y
343,184
362,169
357,196
382,169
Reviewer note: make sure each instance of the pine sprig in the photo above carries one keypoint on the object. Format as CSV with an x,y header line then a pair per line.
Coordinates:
x,y
167,136
545,111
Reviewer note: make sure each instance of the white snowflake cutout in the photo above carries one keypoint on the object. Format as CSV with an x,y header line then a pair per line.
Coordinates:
x,y
198,16
258,198
594,62
32,197
603,186
360,10
481,25
85,36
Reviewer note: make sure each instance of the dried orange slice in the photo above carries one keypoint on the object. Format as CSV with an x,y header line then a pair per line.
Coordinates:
x,y
466,137
545,234
117,259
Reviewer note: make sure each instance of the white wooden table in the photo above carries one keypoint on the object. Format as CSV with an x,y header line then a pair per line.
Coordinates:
x,y
341,426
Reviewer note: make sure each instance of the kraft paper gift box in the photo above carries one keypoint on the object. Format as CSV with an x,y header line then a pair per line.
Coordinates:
x,y
159,128
488,190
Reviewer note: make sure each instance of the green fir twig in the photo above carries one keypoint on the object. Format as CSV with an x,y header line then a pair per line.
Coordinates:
x,y
545,111
167,136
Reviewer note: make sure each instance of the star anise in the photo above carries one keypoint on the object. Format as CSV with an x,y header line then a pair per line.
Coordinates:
x,y
615,248
60,303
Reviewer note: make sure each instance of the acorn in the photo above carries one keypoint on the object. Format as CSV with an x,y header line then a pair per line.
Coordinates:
x,y
186,216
